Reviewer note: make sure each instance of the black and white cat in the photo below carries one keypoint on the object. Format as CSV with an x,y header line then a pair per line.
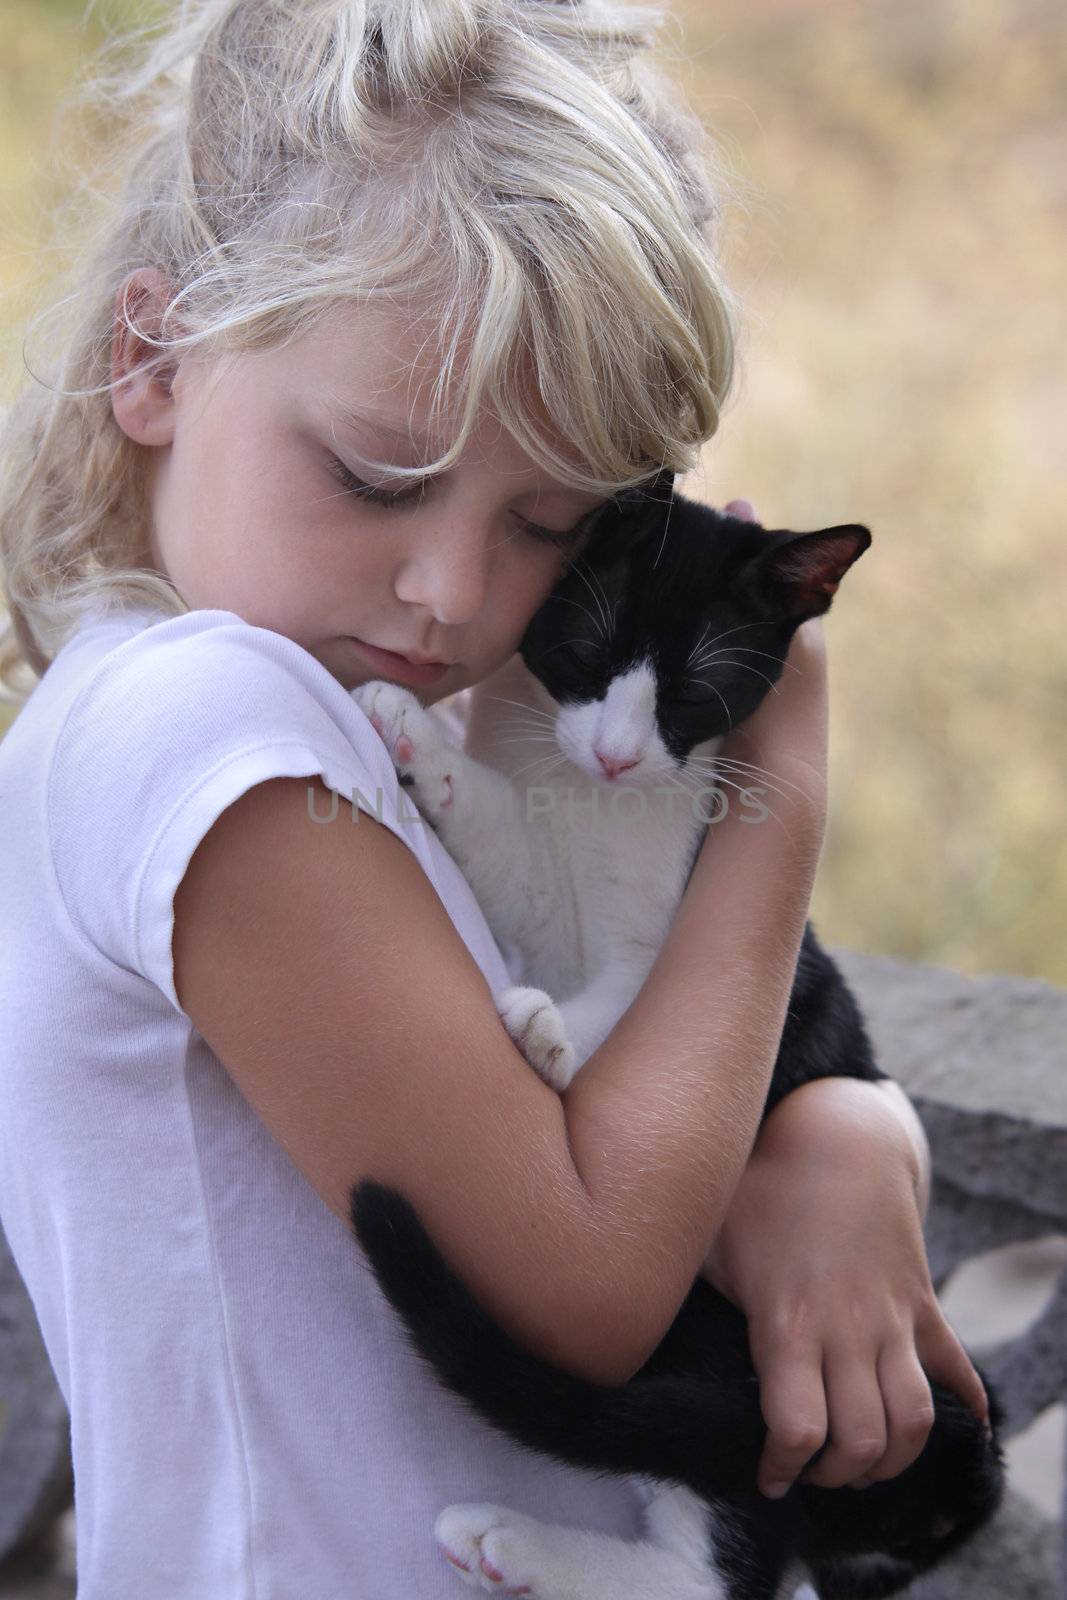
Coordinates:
x,y
661,637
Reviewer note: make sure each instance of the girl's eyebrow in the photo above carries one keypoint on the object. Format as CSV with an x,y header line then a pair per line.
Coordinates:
x,y
351,416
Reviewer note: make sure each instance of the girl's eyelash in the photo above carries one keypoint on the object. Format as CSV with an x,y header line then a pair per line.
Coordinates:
x,y
367,491
390,502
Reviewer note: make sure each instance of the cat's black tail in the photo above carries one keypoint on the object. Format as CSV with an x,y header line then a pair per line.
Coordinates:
x,y
672,1419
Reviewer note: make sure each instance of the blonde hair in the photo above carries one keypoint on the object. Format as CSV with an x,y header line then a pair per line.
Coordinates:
x,y
519,165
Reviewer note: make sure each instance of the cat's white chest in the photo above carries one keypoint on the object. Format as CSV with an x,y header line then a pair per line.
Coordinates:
x,y
614,855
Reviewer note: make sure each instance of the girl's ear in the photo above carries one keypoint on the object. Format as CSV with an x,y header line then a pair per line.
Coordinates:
x,y
142,401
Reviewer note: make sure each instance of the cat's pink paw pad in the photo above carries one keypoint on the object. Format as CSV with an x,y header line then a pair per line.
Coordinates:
x,y
405,750
498,1577
465,1533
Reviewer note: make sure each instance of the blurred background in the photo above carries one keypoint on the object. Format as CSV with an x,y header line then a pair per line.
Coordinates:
x,y
898,241
902,259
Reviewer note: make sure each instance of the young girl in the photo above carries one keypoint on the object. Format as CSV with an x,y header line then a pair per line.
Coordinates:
x,y
396,293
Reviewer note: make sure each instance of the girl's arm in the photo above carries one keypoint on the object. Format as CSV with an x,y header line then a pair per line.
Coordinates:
x,y
822,1248
321,967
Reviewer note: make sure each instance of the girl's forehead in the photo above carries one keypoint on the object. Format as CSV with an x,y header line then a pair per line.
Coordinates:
x,y
385,365
398,345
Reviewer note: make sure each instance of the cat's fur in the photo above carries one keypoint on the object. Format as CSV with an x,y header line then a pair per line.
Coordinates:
x,y
665,634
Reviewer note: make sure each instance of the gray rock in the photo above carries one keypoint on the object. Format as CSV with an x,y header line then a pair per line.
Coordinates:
x,y
984,1061
1012,1558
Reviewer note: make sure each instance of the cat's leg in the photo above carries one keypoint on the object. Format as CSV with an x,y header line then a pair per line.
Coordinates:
x,y
493,1548
473,809
557,1037
475,812
589,1016
535,1025
678,1520
425,757
749,1558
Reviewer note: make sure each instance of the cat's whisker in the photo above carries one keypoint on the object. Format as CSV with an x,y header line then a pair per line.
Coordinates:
x,y
726,783
752,795
598,625
559,644
532,710
729,783
744,666
519,722
528,738
577,567
532,735
693,783
742,627
706,661
746,650
541,760
698,644
764,773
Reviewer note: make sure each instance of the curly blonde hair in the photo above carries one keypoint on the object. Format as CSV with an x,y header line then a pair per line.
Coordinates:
x,y
520,165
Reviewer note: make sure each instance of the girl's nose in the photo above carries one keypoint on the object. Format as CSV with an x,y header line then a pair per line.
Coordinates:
x,y
446,571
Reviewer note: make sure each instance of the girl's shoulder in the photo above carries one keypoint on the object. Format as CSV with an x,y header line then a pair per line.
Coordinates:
x,y
152,691
146,734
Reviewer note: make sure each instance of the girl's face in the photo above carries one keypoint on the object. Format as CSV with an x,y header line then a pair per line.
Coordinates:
x,y
252,512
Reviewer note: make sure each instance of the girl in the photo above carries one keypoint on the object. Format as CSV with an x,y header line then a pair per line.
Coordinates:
x,y
395,294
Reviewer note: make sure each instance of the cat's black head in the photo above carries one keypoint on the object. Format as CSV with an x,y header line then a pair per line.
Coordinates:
x,y
671,625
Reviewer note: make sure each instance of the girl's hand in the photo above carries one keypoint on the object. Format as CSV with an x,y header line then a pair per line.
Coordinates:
x,y
784,740
822,1248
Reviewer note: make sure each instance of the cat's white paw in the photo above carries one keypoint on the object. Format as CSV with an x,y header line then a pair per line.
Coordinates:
x,y
488,1546
534,1023
416,742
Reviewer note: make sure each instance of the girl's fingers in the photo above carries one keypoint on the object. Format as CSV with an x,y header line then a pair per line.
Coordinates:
x,y
741,508
909,1408
856,1411
946,1361
793,1402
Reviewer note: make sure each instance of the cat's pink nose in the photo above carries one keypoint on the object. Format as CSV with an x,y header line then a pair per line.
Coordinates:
x,y
612,767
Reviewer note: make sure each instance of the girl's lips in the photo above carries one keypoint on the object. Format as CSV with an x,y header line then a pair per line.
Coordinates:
x,y
390,665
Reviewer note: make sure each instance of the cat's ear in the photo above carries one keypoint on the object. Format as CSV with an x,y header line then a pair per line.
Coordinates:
x,y
800,577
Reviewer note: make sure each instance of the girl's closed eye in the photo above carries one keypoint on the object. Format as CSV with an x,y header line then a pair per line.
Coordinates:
x,y
369,492
390,501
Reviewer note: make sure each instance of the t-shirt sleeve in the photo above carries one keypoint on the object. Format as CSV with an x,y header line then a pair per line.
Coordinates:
x,y
171,728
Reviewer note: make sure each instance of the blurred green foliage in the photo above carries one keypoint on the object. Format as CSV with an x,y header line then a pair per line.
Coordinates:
x,y
898,240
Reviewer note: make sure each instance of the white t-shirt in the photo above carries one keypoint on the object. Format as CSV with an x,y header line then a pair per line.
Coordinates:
x,y
247,1421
